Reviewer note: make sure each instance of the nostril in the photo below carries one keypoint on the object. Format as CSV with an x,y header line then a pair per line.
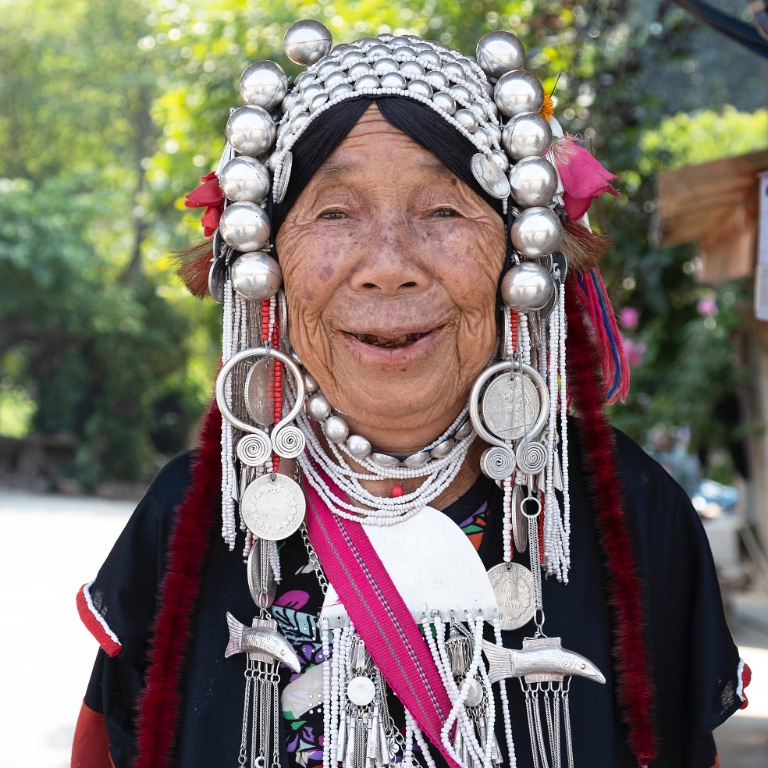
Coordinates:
x,y
409,285
369,285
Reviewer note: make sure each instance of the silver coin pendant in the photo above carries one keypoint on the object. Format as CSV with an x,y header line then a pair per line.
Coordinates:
x,y
513,586
258,403
273,507
511,406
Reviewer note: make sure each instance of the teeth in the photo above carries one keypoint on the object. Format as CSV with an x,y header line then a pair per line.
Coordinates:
x,y
389,342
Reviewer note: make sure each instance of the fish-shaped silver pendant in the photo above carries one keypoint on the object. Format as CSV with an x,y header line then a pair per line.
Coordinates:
x,y
261,641
541,659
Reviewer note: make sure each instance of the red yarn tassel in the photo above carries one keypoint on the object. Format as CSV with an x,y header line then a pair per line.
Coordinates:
x,y
635,693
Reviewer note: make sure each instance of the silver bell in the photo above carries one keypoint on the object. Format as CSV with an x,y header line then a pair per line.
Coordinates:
x,y
256,276
526,135
307,41
536,232
499,52
533,181
518,91
251,131
244,226
244,178
527,287
263,84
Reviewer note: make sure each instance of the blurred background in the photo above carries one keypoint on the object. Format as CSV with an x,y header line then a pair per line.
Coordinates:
x,y
109,114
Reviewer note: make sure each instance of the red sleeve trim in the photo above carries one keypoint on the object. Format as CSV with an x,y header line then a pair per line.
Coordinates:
x,y
95,624
90,748
745,678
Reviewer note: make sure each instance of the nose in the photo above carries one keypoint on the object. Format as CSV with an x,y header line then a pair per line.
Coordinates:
x,y
389,261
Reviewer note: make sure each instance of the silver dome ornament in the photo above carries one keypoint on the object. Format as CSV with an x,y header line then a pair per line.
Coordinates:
x,y
251,130
385,460
421,88
444,101
436,79
366,81
466,119
306,42
263,84
393,80
428,59
385,66
526,135
501,159
244,226
351,58
256,276
499,52
536,232
341,90
298,122
318,407
533,181
461,94
405,51
489,176
412,70
359,447
377,52
335,78
441,450
518,91
481,137
244,178
360,69
335,429
527,287
417,460
454,71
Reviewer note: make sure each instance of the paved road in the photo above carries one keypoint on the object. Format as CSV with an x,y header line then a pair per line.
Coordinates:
x,y
50,545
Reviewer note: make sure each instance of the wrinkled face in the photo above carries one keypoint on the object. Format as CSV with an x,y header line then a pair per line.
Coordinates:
x,y
390,266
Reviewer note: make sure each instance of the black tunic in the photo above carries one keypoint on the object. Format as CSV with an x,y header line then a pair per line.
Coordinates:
x,y
693,659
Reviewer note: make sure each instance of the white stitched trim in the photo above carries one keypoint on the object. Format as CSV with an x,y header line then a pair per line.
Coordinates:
x,y
96,614
739,676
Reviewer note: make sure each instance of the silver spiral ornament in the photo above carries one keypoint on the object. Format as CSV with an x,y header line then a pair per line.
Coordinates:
x,y
288,441
531,457
497,463
254,449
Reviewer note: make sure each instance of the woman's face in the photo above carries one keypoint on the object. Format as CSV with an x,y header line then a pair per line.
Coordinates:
x,y
390,265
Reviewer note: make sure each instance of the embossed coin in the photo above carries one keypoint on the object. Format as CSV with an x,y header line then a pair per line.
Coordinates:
x,y
511,406
258,403
513,586
273,507
361,690
490,177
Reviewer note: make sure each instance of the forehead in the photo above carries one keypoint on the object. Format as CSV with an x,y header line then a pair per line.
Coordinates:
x,y
374,143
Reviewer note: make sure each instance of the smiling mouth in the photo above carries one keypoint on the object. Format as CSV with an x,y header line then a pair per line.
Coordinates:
x,y
389,342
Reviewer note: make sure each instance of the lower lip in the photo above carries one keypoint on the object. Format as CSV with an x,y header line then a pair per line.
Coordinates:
x,y
399,356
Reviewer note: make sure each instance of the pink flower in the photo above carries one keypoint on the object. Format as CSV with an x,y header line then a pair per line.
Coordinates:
x,y
635,351
629,317
583,177
209,196
707,307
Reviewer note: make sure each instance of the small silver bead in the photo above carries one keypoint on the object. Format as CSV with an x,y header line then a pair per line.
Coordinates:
x,y
309,383
393,80
421,87
336,429
306,42
385,460
417,460
443,449
318,407
359,447
445,101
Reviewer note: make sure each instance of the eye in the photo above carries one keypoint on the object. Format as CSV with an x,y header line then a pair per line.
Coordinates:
x,y
333,213
444,213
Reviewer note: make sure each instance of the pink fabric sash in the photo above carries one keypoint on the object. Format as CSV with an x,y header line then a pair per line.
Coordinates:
x,y
380,615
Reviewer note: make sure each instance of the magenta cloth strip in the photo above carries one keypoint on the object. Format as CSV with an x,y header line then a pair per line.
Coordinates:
x,y
380,615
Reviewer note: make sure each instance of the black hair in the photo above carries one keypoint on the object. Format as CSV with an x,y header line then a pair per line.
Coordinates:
x,y
418,121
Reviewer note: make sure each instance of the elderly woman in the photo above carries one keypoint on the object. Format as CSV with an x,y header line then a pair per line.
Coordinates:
x,y
395,469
